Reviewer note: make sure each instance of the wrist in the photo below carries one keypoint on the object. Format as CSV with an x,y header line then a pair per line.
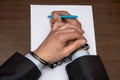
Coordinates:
x,y
79,53
34,60
51,65
38,58
43,55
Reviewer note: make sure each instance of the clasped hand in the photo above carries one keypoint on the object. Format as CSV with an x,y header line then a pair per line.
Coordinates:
x,y
65,37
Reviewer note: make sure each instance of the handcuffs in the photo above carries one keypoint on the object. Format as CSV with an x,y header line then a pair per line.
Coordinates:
x,y
67,59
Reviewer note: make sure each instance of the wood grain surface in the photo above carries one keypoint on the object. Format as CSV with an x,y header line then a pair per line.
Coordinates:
x,y
15,29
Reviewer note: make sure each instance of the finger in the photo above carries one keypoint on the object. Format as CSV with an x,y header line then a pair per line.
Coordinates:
x,y
65,37
52,21
74,46
58,13
63,32
75,21
56,25
72,21
82,37
61,13
67,25
56,17
64,13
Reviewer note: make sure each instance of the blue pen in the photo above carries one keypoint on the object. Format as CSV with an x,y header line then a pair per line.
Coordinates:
x,y
65,16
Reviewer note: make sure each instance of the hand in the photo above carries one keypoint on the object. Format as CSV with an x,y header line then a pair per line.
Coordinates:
x,y
75,24
56,20
56,47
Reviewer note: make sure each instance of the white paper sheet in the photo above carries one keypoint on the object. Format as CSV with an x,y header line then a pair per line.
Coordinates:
x,y
40,27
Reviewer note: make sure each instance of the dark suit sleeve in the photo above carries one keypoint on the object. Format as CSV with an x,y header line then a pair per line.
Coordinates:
x,y
87,68
19,67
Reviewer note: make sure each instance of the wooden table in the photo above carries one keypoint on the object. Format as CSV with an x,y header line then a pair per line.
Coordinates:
x,y
15,29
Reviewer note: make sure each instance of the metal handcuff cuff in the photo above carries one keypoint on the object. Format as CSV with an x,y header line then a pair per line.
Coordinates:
x,y
67,59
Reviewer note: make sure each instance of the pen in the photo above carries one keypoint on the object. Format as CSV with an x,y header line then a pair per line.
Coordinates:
x,y
65,16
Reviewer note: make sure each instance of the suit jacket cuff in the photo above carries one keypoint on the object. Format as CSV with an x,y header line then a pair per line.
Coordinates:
x,y
19,67
87,68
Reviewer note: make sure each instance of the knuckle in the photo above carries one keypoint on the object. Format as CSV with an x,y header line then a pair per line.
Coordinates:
x,y
79,23
75,21
67,24
59,36
65,54
74,30
65,12
54,12
54,32
85,40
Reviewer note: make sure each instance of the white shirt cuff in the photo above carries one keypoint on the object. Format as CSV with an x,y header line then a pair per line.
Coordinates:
x,y
35,61
79,53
